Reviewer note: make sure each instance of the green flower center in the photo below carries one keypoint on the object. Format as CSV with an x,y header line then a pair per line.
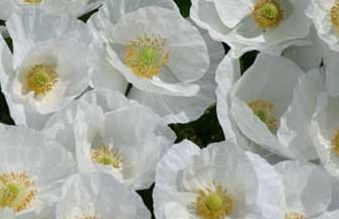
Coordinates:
x,y
264,110
214,203
41,79
88,216
146,55
107,157
268,13
294,216
17,191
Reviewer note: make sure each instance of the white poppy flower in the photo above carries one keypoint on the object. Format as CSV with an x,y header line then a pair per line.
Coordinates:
x,y
264,25
32,168
326,21
109,133
99,195
50,65
271,104
177,109
57,7
308,189
324,129
152,46
220,181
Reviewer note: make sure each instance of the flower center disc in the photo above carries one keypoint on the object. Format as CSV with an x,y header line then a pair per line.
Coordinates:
x,y
264,110
268,13
335,143
17,191
33,1
92,216
40,79
146,55
214,204
335,15
107,157
294,216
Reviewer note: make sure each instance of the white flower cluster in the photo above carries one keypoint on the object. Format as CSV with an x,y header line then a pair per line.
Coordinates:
x,y
92,103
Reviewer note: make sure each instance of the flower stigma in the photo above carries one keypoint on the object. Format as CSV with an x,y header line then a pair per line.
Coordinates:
x,y
107,157
146,55
268,14
214,203
41,79
88,216
264,110
294,215
17,191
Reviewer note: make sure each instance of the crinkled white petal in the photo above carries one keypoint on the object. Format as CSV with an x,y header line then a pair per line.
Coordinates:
x,y
331,67
320,13
57,7
307,187
293,131
307,56
323,128
99,194
227,73
74,8
7,75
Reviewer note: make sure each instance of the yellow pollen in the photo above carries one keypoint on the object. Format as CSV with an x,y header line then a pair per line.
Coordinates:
x,y
335,15
214,204
146,55
264,110
88,216
107,157
268,13
33,1
335,143
40,79
17,191
294,216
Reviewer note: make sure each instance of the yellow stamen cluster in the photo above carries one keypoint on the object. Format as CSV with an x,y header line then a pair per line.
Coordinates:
x,y
40,79
264,110
106,156
268,13
33,1
214,203
88,216
17,191
146,55
335,143
335,15
294,216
